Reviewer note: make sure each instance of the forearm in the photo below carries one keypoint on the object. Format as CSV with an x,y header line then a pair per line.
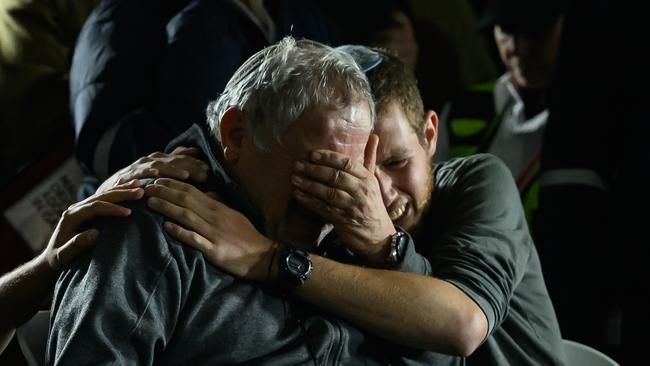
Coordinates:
x,y
405,308
23,291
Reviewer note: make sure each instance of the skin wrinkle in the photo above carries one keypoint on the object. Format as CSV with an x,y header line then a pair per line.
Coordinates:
x,y
345,131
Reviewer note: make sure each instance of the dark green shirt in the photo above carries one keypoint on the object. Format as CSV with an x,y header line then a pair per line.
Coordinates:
x,y
476,238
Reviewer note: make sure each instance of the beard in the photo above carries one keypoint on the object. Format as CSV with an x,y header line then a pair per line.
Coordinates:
x,y
422,203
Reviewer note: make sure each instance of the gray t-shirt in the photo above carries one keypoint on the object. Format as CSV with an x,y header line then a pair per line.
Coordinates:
x,y
476,237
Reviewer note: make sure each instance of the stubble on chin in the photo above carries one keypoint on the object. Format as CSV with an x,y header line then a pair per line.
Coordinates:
x,y
424,205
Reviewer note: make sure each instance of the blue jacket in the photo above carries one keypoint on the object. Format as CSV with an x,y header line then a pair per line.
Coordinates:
x,y
143,71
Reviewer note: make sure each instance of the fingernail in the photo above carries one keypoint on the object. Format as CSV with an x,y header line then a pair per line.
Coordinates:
x,y
299,165
296,180
316,155
152,201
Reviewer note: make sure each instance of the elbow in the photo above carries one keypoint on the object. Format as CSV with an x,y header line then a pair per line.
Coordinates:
x,y
461,336
471,332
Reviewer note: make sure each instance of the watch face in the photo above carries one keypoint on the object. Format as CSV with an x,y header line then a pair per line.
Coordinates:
x,y
298,264
295,268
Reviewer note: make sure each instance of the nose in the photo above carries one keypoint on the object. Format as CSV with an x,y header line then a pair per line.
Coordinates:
x,y
388,192
514,43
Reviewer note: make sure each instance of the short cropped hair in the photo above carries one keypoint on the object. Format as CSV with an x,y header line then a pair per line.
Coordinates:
x,y
393,81
275,86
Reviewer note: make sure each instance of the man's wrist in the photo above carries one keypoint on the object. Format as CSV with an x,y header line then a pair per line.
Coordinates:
x,y
382,249
393,249
45,264
272,272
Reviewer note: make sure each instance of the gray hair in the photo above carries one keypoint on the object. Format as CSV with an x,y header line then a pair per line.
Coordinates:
x,y
275,86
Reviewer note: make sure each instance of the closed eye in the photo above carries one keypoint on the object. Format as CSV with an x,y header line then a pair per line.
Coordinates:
x,y
396,164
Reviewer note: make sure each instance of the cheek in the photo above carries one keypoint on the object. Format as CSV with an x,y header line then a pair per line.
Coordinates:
x,y
274,179
418,180
406,181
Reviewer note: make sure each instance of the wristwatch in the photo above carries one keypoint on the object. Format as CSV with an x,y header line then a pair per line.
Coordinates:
x,y
294,267
398,243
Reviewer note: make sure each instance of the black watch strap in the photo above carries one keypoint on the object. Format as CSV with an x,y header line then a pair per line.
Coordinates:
x,y
398,244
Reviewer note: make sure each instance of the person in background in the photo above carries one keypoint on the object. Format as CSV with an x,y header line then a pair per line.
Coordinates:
x,y
37,39
436,39
507,117
159,63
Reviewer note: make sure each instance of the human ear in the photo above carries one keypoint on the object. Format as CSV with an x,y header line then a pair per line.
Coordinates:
x,y
430,131
232,128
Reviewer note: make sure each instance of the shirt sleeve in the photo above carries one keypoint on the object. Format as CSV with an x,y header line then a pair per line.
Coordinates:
x,y
119,305
486,247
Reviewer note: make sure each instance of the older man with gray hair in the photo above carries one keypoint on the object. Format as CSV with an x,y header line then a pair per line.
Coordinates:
x,y
142,297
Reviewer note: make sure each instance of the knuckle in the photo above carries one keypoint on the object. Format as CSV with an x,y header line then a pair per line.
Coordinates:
x,y
355,212
95,204
347,163
363,191
335,177
184,197
186,216
67,213
186,188
195,237
175,229
331,194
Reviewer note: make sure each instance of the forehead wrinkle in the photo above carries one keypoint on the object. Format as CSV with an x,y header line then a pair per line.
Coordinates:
x,y
342,141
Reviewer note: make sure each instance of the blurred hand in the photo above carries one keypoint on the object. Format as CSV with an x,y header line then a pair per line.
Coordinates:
x,y
225,237
182,163
347,194
68,240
